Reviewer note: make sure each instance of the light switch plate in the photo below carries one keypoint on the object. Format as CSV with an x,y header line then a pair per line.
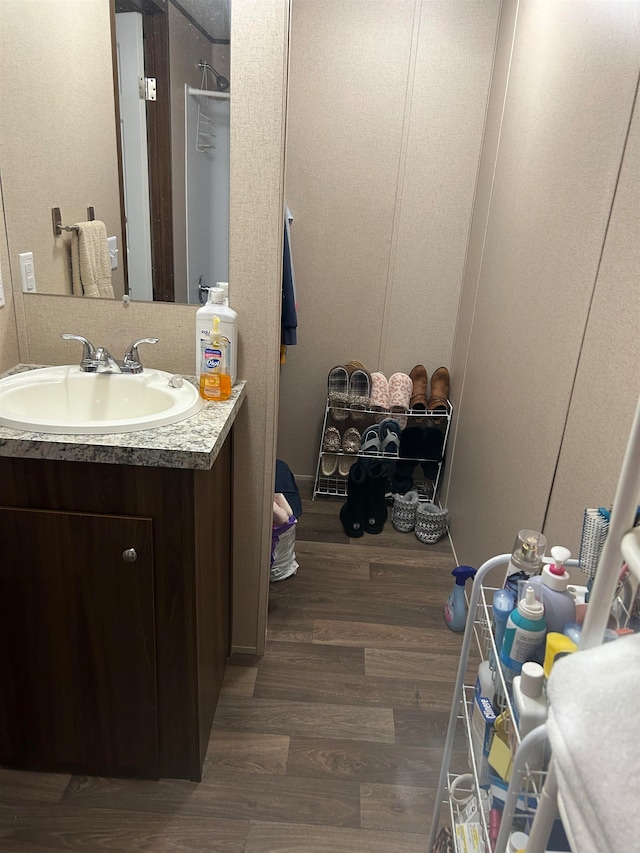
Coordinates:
x,y
27,272
112,242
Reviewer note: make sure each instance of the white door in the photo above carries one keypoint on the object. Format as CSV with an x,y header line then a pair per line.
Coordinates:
x,y
133,130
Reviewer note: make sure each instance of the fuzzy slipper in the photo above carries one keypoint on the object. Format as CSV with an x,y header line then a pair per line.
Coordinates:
x,y
359,389
338,392
431,523
403,514
389,431
328,465
331,442
400,388
351,441
379,393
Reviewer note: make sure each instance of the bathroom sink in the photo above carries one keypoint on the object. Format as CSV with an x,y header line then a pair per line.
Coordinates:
x,y
66,400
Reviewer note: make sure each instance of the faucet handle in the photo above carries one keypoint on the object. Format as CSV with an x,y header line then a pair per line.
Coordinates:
x,y
131,362
89,351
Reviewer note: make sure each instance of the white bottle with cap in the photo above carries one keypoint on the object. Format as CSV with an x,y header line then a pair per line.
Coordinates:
x,y
551,588
215,307
525,631
530,706
517,842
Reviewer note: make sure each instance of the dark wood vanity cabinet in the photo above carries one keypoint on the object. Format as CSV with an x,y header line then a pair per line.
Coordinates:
x,y
114,615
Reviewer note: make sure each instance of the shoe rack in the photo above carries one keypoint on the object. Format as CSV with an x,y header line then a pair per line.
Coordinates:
x,y
335,484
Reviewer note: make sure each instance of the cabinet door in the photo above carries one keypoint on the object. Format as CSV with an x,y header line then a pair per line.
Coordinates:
x,y
77,662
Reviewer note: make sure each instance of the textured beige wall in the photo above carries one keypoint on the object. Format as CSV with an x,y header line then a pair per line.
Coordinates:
x,y
259,36
55,65
607,384
384,129
567,108
258,70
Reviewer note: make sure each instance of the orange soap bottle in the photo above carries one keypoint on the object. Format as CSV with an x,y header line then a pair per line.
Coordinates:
x,y
215,381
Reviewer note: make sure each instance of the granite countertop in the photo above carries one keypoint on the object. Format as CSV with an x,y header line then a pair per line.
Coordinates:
x,y
193,443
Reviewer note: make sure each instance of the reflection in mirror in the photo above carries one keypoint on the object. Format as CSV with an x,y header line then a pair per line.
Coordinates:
x,y
156,172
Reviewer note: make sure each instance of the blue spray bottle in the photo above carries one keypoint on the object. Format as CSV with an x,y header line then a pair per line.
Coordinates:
x,y
455,610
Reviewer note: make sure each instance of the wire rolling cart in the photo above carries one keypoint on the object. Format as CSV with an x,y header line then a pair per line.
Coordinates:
x,y
537,793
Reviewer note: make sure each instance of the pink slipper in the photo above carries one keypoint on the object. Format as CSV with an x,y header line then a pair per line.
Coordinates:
x,y
400,389
379,394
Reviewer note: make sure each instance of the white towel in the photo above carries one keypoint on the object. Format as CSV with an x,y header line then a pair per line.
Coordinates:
x,y
90,260
594,730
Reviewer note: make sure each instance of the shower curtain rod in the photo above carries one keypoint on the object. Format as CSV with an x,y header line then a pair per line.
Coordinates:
x,y
209,93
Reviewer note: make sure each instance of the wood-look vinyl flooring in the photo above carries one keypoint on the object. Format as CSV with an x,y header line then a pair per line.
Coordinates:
x,y
330,742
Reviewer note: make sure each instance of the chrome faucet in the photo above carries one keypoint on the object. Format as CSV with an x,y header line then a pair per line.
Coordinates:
x,y
131,362
100,360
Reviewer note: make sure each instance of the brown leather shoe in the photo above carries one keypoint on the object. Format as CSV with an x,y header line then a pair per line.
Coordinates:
x,y
419,378
439,390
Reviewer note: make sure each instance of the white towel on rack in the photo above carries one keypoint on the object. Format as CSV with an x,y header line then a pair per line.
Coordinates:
x,y
90,260
594,731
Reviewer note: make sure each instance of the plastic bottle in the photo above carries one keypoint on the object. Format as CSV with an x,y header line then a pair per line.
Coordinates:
x,y
530,706
503,604
455,610
527,553
517,842
215,382
215,307
524,632
224,285
551,588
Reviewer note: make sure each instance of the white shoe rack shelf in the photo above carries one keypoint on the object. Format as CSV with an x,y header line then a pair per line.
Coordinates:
x,y
335,485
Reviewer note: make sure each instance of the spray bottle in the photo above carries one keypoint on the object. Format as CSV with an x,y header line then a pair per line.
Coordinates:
x,y
455,610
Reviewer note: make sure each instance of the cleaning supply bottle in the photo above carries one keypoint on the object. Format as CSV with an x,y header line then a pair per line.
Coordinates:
x,y
215,382
525,631
527,554
503,603
551,588
530,706
215,307
455,610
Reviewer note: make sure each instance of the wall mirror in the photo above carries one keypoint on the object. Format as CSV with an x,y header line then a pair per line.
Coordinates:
x,y
118,110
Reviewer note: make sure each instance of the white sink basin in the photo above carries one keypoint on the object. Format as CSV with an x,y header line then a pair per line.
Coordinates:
x,y
67,400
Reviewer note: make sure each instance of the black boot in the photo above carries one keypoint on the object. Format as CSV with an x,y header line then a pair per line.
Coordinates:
x,y
352,513
432,448
375,503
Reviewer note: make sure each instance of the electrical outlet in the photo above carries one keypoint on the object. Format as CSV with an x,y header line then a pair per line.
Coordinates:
x,y
27,272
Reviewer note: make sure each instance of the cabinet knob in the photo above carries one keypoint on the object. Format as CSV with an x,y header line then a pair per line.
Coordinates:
x,y
129,555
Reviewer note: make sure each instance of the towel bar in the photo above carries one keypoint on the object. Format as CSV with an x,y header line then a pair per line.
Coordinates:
x,y
58,227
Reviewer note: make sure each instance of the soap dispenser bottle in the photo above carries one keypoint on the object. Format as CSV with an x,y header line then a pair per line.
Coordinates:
x,y
215,382
455,610
551,588
215,307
